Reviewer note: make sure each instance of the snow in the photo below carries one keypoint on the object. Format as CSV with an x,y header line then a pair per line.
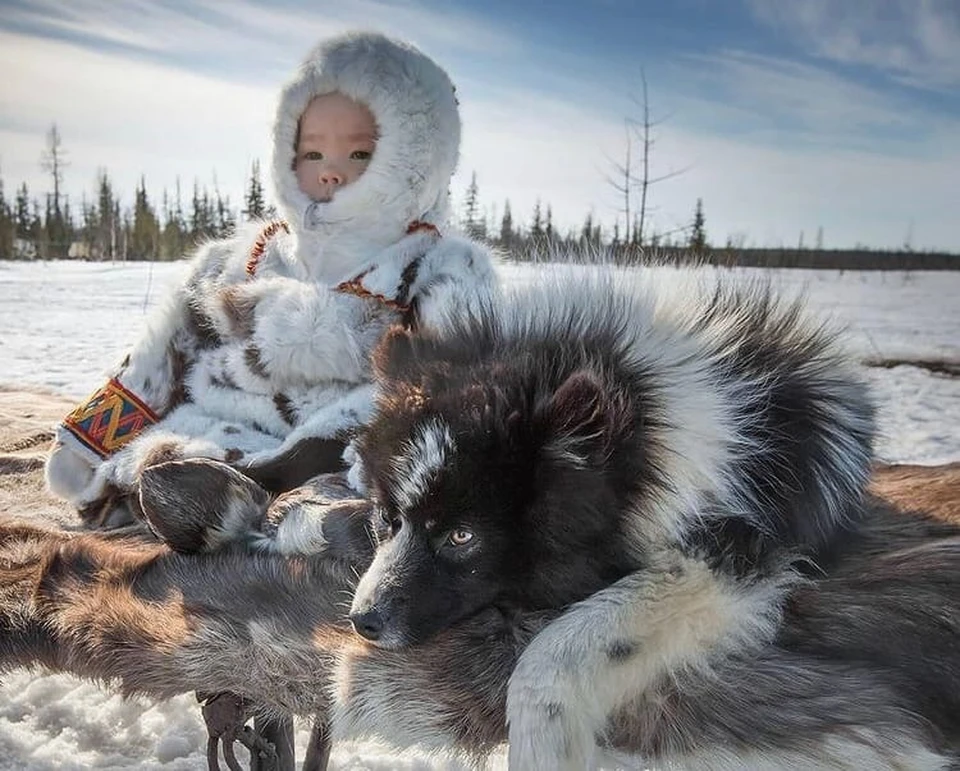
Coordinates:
x,y
63,324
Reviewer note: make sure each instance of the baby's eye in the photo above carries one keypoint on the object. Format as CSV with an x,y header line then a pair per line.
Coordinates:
x,y
360,155
313,155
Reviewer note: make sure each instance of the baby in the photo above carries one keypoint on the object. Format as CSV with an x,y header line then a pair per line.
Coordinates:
x,y
260,358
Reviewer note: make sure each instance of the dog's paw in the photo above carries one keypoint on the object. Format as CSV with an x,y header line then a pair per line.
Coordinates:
x,y
548,715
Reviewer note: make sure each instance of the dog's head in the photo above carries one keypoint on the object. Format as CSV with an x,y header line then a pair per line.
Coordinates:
x,y
499,479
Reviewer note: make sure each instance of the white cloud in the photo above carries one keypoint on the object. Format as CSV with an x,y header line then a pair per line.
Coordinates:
x,y
129,116
774,147
242,28
915,41
793,99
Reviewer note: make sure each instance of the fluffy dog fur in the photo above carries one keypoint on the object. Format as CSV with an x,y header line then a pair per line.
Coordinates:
x,y
706,440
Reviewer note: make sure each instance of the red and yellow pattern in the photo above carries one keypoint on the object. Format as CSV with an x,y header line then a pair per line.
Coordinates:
x,y
109,419
355,285
256,252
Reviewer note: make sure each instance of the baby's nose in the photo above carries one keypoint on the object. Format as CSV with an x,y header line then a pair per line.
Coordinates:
x,y
331,176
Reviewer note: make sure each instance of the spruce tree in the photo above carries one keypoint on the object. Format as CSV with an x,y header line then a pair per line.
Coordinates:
x,y
698,235
536,227
145,231
175,237
7,226
473,224
21,214
107,219
254,204
506,226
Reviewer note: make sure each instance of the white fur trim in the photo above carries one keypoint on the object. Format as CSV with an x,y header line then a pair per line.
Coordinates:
x,y
414,104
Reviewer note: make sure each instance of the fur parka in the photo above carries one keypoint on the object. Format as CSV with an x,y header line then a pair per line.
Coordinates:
x,y
265,345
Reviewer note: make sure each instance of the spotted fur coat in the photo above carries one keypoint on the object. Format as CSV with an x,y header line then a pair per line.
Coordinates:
x,y
253,365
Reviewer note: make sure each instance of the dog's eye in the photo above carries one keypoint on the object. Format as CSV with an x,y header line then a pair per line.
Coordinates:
x,y
460,537
389,520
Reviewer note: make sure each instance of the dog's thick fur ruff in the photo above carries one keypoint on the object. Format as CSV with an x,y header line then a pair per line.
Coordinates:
x,y
696,445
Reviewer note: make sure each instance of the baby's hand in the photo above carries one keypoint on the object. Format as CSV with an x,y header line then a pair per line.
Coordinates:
x,y
395,274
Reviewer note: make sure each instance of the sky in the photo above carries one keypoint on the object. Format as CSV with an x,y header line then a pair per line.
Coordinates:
x,y
787,119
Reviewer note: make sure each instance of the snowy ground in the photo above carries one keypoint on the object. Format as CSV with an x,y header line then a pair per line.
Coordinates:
x,y
63,324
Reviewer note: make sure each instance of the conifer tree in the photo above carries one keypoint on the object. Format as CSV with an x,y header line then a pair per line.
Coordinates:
x,y
536,227
254,205
225,224
506,227
473,224
201,223
107,219
7,226
698,235
21,213
36,234
587,231
174,238
145,230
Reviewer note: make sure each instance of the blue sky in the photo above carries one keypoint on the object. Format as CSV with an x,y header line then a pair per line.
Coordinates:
x,y
785,117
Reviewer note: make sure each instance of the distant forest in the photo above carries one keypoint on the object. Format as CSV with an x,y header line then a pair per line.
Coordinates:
x,y
103,227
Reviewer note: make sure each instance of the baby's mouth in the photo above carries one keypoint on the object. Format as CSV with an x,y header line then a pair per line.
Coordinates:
x,y
325,194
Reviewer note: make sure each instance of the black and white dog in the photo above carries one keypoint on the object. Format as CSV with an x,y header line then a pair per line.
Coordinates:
x,y
680,453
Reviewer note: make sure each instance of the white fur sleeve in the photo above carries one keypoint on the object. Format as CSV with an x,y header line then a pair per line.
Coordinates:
x,y
444,277
455,277
155,365
154,370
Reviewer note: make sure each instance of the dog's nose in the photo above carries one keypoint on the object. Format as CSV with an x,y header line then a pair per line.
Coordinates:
x,y
368,624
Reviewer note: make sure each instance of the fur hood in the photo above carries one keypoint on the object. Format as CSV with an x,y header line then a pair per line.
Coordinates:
x,y
415,108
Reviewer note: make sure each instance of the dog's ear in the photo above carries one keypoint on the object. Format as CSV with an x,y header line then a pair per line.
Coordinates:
x,y
199,505
394,357
579,420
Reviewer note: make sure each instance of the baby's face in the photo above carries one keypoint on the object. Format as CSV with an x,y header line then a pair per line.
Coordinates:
x,y
336,142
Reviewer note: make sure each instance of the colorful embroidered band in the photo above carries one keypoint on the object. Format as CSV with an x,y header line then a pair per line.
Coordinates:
x,y
109,419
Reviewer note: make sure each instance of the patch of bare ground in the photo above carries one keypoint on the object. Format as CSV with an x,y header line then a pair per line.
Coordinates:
x,y
27,418
945,367
932,489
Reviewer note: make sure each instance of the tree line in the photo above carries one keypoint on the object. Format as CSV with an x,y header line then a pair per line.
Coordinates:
x,y
102,227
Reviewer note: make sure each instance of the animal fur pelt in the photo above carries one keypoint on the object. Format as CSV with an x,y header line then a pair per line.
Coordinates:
x,y
682,466
863,672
